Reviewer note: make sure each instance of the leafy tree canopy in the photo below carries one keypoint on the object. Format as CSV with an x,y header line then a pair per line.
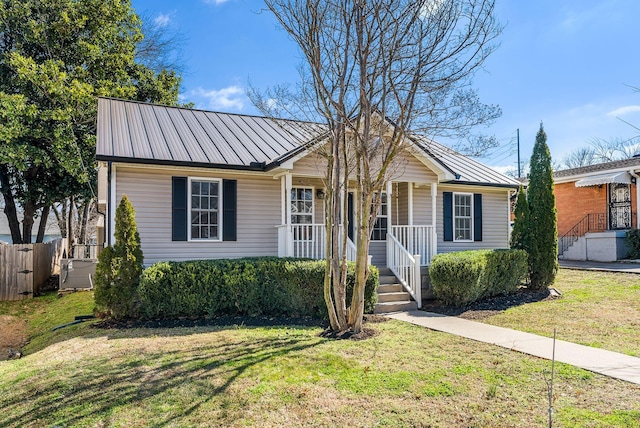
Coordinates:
x,y
56,57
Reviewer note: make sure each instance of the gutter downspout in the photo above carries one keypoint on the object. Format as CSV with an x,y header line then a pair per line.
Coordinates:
x,y
637,177
107,223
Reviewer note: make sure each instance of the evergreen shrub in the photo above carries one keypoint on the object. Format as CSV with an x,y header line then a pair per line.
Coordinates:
x,y
259,286
119,268
633,243
462,277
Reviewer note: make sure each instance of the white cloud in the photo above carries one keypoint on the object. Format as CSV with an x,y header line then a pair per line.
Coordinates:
x,y
621,111
216,2
162,20
230,98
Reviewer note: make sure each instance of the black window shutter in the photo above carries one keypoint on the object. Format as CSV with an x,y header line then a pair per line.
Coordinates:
x,y
448,215
230,205
477,217
179,193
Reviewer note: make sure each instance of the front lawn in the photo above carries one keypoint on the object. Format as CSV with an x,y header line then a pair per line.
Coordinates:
x,y
290,376
600,309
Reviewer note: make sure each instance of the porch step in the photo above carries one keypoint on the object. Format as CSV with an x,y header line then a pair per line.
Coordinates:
x,y
394,296
389,288
385,307
391,295
388,279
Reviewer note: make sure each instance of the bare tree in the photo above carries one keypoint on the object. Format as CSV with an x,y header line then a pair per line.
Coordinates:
x,y
374,72
600,151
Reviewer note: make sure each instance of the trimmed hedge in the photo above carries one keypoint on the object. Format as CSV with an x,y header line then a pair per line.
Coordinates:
x,y
463,277
260,286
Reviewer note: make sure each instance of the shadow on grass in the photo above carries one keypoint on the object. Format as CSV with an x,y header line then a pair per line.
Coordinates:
x,y
94,389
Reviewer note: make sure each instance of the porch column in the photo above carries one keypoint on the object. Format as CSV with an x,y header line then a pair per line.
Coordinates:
x,y
434,237
287,200
410,202
389,206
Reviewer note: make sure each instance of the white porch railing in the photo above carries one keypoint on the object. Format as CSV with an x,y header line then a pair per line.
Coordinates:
x,y
306,241
406,267
417,240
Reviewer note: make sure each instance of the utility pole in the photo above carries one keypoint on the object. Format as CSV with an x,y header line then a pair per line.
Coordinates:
x,y
518,139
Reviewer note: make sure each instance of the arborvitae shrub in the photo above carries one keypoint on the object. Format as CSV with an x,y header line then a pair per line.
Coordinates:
x,y
119,268
542,245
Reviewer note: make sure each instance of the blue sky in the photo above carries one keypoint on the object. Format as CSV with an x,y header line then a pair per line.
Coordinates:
x,y
570,64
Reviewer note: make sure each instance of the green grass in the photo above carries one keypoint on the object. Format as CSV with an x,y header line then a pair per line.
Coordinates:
x,y
600,309
405,376
286,376
43,313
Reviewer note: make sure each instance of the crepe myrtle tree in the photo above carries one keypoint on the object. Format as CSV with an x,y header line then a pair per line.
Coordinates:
x,y
374,72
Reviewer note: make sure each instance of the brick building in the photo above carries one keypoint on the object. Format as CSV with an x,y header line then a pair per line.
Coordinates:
x,y
596,204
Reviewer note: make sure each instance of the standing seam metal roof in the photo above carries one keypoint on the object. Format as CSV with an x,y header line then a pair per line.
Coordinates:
x,y
147,133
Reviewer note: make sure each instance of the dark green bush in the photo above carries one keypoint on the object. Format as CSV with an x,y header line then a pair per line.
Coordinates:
x,y
267,286
633,243
463,277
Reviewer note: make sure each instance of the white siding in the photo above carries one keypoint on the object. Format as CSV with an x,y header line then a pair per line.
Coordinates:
x,y
422,206
407,168
378,251
150,193
495,219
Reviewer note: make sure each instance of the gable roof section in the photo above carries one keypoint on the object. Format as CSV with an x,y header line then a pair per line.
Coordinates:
x,y
466,169
136,132
600,168
148,133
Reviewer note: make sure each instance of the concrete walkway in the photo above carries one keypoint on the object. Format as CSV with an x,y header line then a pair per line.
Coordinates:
x,y
608,363
626,266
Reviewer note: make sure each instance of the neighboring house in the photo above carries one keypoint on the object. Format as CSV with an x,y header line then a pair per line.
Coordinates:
x,y
52,230
596,205
214,185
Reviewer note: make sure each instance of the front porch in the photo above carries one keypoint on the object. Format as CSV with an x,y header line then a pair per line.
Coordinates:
x,y
397,243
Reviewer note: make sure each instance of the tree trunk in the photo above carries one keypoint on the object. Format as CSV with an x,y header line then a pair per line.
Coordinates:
x,y
70,236
42,227
10,206
83,221
28,214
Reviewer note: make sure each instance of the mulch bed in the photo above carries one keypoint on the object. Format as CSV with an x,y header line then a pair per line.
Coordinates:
x,y
490,306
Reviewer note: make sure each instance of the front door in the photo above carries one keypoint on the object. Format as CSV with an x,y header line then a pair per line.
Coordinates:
x,y
619,206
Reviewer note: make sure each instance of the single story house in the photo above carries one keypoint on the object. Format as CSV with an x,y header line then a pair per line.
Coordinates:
x,y
217,185
597,205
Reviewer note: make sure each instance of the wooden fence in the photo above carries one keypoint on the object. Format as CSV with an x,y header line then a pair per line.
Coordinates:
x,y
24,268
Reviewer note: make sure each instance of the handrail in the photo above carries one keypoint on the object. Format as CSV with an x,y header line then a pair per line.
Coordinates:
x,y
592,222
417,240
406,267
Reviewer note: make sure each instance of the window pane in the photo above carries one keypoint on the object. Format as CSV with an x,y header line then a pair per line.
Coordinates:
x,y
204,206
